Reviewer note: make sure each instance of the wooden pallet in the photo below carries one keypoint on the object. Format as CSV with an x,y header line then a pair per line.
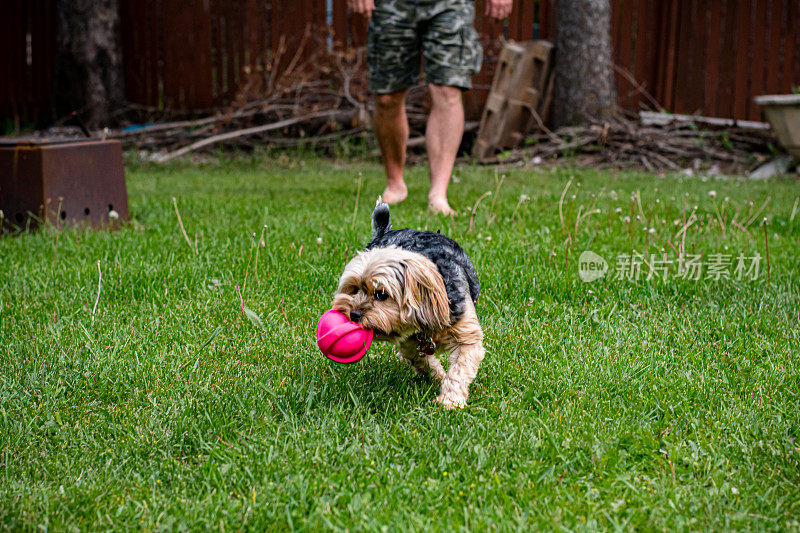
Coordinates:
x,y
521,91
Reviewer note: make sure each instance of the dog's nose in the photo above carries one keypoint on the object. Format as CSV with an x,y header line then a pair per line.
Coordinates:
x,y
355,315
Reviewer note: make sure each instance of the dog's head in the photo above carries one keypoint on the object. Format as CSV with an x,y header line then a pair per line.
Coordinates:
x,y
393,292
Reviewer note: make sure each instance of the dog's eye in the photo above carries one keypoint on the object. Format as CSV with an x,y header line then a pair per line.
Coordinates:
x,y
380,295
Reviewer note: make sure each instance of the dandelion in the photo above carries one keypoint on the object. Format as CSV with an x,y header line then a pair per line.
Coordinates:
x,y
712,194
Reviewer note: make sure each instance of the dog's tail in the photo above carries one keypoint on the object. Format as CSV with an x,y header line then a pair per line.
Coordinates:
x,y
381,221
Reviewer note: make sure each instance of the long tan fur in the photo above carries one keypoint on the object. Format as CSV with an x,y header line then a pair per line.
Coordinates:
x,y
417,302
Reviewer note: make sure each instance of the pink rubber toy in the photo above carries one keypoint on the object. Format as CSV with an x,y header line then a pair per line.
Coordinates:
x,y
340,339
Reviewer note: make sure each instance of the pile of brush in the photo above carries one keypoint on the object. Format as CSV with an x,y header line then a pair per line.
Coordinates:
x,y
655,142
319,98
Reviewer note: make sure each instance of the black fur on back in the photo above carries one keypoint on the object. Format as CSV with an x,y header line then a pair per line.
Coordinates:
x,y
458,273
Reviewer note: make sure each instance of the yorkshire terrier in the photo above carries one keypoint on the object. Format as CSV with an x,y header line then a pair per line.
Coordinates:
x,y
417,289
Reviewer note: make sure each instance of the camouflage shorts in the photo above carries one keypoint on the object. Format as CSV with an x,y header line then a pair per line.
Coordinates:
x,y
441,29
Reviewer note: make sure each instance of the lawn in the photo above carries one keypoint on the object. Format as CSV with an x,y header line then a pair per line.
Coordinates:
x,y
191,393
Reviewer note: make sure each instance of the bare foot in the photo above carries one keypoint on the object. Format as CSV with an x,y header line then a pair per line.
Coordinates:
x,y
440,206
394,194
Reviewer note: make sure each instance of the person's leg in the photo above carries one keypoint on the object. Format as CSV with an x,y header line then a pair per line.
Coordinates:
x,y
391,129
452,54
393,62
442,138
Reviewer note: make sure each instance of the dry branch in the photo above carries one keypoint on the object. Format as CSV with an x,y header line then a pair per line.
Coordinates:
x,y
243,133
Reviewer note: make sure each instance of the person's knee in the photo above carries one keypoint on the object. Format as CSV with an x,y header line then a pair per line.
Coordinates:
x,y
445,95
390,101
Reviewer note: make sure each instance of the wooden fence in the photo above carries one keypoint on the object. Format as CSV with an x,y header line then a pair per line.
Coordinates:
x,y
690,56
194,59
27,46
706,56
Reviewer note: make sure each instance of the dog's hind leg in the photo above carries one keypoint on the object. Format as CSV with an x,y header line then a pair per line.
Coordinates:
x,y
422,365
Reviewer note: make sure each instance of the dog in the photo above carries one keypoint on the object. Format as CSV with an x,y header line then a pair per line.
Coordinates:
x,y
417,289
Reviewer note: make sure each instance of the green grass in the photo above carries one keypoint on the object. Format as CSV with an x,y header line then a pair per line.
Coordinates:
x,y
614,404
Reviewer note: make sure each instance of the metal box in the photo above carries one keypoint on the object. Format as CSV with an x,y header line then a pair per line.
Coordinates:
x,y
61,181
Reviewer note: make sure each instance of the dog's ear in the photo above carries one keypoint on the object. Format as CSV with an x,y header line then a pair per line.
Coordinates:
x,y
424,301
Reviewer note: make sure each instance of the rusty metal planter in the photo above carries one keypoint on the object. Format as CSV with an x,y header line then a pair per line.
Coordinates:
x,y
62,182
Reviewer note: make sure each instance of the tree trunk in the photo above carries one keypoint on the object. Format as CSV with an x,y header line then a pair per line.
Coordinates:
x,y
583,89
88,62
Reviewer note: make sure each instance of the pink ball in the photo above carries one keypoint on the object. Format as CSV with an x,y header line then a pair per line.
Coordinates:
x,y
340,339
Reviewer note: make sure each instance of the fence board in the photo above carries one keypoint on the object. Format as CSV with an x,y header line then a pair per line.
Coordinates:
x,y
8,62
644,52
234,38
697,59
15,77
774,45
187,55
671,60
6,91
789,76
156,45
547,19
741,95
25,79
358,29
339,18
527,20
218,50
715,21
624,53
727,63
35,31
758,64
683,55
513,24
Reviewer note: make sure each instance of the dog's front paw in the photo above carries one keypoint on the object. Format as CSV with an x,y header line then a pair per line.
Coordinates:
x,y
451,401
